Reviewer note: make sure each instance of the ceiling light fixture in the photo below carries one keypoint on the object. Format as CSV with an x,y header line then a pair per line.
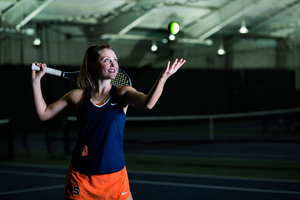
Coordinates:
x,y
37,42
221,50
243,28
154,46
29,31
172,37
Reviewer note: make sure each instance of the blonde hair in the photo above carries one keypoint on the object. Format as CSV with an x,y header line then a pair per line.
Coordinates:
x,y
86,73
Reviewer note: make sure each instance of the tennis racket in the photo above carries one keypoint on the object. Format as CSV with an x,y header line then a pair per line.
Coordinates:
x,y
122,77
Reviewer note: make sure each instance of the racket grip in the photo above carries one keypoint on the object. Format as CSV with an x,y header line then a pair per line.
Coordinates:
x,y
49,70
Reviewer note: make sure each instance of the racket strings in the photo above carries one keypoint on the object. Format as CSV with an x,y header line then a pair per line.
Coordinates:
x,y
121,79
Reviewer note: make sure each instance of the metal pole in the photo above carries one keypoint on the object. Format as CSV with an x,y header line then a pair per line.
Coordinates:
x,y
21,48
297,37
211,129
10,141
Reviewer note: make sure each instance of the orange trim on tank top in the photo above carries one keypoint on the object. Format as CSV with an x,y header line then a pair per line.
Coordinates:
x,y
81,100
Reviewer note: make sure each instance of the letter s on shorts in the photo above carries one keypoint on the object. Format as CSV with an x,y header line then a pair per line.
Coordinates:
x,y
76,190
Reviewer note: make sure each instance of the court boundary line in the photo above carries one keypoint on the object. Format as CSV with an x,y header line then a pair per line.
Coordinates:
x,y
212,187
212,176
155,173
54,175
133,181
257,156
33,189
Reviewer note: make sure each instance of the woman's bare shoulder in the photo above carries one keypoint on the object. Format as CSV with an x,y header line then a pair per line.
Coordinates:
x,y
77,91
121,90
74,95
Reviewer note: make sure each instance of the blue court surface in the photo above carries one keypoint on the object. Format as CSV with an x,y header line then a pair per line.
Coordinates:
x,y
32,182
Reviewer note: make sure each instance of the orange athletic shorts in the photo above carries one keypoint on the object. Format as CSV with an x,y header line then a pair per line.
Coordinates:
x,y
103,186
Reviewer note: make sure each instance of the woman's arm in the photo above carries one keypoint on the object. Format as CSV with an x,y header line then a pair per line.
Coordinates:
x,y
45,112
148,101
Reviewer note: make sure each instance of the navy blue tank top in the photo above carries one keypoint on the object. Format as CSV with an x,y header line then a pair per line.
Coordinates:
x,y
99,149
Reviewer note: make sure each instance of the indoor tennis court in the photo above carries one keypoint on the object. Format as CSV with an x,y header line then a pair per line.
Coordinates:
x,y
226,125
34,182
174,165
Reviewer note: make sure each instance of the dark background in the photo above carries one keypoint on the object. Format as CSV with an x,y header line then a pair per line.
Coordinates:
x,y
188,92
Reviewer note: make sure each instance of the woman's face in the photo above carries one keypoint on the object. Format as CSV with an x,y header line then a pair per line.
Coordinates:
x,y
106,66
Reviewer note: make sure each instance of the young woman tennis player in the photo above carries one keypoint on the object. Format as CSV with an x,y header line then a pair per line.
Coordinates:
x,y
97,169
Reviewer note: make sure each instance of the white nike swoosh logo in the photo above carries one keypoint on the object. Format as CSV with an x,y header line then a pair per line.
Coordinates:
x,y
113,104
123,193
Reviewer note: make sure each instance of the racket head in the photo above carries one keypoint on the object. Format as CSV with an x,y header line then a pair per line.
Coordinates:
x,y
122,79
71,76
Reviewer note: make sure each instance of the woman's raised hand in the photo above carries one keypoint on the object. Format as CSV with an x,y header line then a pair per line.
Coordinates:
x,y
172,68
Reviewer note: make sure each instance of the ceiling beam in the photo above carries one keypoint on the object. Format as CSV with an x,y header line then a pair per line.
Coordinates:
x,y
22,12
123,23
153,38
33,14
262,24
288,10
218,19
135,22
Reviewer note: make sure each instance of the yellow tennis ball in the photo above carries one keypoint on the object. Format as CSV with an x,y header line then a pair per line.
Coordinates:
x,y
173,27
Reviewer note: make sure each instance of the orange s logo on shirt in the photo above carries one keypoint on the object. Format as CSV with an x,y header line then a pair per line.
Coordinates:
x,y
84,151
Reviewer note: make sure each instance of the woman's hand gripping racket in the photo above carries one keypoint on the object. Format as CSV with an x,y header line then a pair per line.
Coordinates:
x,y
122,77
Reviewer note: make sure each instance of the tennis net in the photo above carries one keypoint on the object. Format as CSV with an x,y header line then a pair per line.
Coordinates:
x,y
259,134
275,125
261,125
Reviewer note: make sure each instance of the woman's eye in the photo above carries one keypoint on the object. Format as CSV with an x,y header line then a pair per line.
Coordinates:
x,y
106,60
116,60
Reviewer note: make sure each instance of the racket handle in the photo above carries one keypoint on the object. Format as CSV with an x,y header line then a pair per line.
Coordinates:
x,y
49,70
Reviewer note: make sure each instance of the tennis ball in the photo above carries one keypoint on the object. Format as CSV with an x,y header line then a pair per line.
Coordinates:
x,y
173,27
